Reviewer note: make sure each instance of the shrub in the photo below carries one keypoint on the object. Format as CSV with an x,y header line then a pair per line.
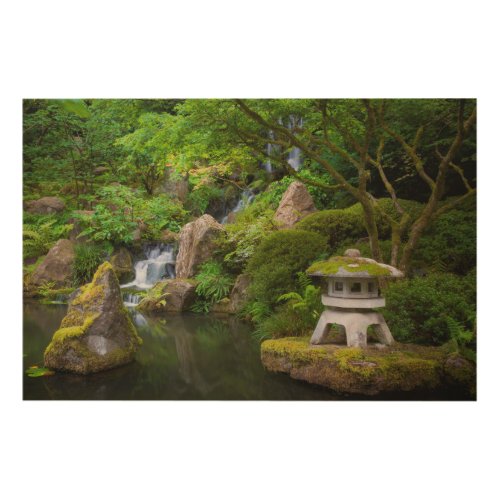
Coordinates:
x,y
239,241
449,244
277,260
160,212
120,209
418,309
88,257
348,223
115,227
213,285
337,225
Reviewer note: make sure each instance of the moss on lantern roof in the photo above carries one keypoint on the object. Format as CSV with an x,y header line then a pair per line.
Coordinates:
x,y
352,267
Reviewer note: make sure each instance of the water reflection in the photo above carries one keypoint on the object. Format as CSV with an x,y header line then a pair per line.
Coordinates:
x,y
188,357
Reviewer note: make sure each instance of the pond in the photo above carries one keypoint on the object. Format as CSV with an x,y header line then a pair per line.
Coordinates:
x,y
183,357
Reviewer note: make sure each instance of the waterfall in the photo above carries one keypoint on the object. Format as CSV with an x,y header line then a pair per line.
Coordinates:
x,y
159,263
244,200
131,299
294,155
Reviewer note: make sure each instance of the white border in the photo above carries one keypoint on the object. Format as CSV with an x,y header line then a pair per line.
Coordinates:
x,y
251,49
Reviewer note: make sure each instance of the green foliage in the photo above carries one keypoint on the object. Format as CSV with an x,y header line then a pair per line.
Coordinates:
x,y
200,197
449,244
256,311
107,225
39,238
88,257
239,240
344,224
462,339
213,285
120,210
419,310
37,371
337,225
277,260
297,316
160,212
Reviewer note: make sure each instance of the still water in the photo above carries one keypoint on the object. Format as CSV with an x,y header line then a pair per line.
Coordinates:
x,y
188,357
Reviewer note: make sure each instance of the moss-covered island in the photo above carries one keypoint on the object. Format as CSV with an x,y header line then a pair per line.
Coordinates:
x,y
96,334
371,371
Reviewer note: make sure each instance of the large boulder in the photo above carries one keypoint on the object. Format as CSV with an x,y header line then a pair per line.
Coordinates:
x,y
121,260
196,245
96,334
171,296
45,205
57,266
295,204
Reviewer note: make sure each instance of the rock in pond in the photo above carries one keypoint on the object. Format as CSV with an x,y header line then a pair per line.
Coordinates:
x,y
57,266
370,371
96,334
196,245
172,296
121,260
295,204
45,205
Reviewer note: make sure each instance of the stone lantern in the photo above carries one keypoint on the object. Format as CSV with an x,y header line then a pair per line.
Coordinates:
x,y
353,293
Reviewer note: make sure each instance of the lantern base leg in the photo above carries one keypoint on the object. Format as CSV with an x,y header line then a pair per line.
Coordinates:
x,y
382,331
354,324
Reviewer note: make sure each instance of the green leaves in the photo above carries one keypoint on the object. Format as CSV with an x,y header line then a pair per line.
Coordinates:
x,y
213,286
36,371
76,106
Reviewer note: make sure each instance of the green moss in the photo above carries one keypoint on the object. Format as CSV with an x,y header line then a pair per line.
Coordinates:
x,y
333,265
67,332
367,370
297,349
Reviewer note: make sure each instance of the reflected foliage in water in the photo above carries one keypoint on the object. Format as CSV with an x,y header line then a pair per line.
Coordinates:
x,y
184,357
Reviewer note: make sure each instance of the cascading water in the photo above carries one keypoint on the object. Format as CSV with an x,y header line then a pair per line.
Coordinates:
x,y
160,263
131,299
244,200
294,157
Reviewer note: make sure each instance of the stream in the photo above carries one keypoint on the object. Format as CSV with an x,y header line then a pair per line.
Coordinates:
x,y
183,357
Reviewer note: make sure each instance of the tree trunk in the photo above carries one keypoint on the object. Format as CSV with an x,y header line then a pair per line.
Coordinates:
x,y
371,228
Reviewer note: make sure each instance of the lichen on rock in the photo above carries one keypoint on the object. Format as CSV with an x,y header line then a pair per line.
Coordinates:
x,y
96,334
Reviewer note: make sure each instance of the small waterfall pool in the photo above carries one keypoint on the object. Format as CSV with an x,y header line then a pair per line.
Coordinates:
x,y
159,264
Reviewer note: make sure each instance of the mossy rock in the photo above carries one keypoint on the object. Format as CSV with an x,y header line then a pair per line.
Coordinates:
x,y
96,334
171,296
370,371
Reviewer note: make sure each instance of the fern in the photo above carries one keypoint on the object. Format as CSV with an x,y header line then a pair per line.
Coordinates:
x,y
213,283
39,239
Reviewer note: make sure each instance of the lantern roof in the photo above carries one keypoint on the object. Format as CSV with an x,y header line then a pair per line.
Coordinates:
x,y
352,265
